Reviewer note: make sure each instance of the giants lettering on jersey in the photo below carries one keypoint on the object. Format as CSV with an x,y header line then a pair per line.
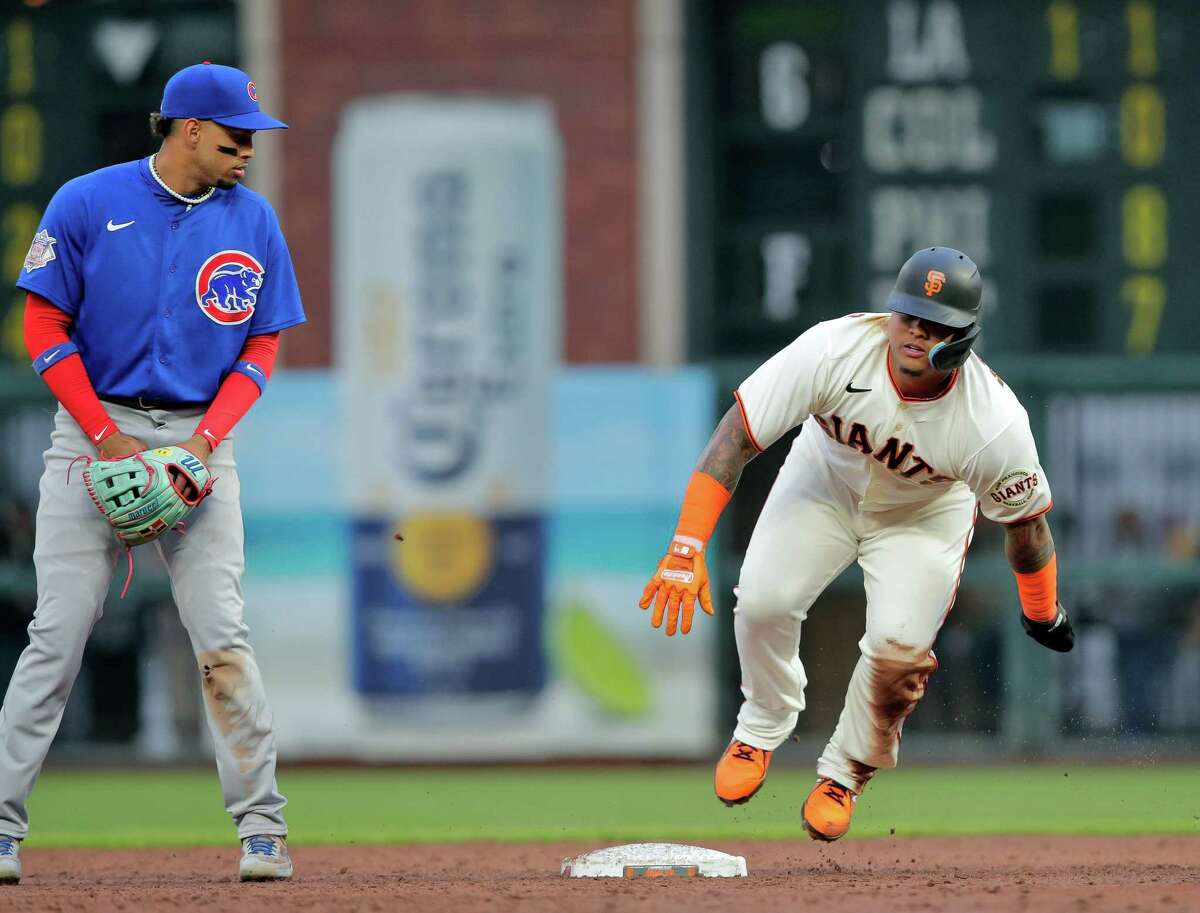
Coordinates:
x,y
895,454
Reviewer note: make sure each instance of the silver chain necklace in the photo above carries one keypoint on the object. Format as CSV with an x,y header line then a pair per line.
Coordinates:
x,y
190,201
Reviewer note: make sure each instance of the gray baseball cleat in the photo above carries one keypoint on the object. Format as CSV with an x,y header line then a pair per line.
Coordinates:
x,y
10,859
265,858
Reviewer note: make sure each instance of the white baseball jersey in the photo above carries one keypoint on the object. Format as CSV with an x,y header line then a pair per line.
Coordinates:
x,y
882,479
889,449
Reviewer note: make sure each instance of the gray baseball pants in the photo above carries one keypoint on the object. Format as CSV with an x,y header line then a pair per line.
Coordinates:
x,y
74,555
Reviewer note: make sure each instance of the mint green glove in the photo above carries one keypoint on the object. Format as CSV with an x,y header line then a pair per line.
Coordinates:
x,y
144,495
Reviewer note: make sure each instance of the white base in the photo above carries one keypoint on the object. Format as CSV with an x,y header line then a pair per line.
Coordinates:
x,y
655,860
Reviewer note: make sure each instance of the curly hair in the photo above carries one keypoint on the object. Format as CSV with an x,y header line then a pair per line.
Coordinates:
x,y
160,126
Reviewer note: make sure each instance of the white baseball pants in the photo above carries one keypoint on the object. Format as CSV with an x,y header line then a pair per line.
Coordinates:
x,y
809,531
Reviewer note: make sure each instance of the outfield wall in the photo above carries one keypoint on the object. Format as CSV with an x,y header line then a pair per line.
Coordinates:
x,y
613,685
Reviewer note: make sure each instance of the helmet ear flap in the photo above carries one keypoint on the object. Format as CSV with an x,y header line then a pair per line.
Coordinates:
x,y
950,354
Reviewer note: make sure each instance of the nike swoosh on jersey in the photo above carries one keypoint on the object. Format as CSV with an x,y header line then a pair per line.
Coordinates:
x,y
99,434
112,227
49,357
250,367
850,388
208,434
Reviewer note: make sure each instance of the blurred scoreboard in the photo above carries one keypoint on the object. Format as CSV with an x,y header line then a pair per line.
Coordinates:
x,y
828,139
78,81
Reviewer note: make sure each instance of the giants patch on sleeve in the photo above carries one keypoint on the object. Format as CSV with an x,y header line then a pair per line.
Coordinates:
x,y
41,251
1016,488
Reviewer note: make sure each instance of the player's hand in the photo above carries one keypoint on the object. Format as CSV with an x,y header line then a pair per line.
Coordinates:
x,y
117,446
199,446
1057,635
680,580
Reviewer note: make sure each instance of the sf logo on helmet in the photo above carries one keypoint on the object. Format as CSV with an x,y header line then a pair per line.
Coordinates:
x,y
934,281
227,286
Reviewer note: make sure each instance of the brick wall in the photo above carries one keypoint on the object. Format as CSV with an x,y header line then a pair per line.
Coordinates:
x,y
579,54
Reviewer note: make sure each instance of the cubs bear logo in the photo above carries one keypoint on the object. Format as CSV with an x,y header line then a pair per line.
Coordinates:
x,y
227,286
934,281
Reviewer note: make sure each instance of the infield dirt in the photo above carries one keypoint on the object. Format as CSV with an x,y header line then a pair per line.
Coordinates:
x,y
890,874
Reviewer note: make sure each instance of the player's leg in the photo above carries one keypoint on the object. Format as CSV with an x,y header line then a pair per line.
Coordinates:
x,y
911,567
205,566
798,547
800,543
74,552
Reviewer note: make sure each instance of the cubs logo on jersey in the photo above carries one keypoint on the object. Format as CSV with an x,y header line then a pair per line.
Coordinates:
x,y
227,286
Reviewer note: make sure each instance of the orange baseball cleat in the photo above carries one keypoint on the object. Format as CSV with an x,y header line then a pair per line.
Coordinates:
x,y
741,772
827,810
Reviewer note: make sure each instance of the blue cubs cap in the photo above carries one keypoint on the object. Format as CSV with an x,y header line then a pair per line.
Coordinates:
x,y
209,91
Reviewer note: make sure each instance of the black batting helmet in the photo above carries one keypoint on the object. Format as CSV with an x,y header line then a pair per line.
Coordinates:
x,y
943,285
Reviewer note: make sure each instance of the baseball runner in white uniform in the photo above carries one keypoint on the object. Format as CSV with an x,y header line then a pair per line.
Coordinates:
x,y
906,434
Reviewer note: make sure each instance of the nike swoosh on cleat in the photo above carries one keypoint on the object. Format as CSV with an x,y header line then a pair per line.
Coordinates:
x,y
850,388
112,227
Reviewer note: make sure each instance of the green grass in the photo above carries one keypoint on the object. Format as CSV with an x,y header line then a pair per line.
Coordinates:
x,y
604,805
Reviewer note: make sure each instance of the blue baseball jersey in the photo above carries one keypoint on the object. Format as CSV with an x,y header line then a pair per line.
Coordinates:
x,y
163,294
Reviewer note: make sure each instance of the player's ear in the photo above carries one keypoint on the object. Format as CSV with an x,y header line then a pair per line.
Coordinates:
x,y
192,128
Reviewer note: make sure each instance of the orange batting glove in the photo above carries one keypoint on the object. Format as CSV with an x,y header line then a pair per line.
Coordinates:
x,y
681,579
682,576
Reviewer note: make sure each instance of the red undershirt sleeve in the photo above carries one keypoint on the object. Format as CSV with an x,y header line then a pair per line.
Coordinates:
x,y
240,389
57,360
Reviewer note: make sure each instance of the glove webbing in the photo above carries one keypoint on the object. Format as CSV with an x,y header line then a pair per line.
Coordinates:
x,y
180,526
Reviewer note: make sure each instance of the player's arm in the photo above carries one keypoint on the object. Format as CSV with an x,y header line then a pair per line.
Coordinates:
x,y
775,398
682,575
55,358
1029,546
240,389
1007,477
728,451
681,578
1030,551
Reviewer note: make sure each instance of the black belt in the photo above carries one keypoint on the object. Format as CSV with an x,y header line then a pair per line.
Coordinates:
x,y
146,404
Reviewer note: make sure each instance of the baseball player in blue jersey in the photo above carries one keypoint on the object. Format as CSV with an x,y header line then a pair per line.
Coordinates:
x,y
156,293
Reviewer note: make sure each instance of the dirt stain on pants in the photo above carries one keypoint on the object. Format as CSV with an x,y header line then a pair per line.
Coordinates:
x,y
228,680
895,689
883,693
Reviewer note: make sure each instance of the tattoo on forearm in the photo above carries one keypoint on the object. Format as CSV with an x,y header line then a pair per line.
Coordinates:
x,y
1029,545
728,451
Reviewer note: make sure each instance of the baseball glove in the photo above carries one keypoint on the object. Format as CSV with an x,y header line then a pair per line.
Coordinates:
x,y
144,495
